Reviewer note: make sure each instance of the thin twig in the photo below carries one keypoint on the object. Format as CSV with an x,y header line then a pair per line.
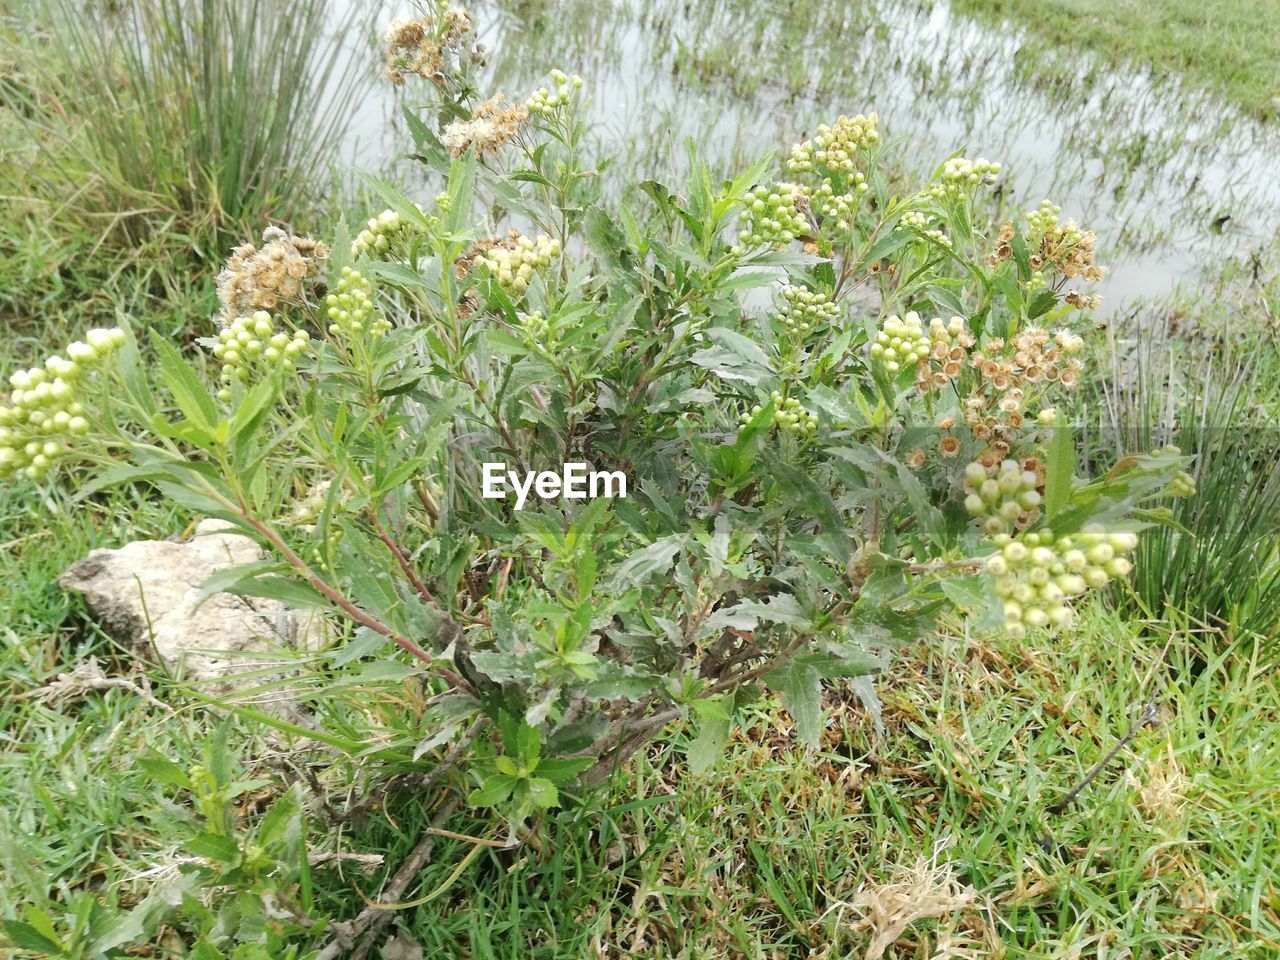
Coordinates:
x,y
357,936
1149,715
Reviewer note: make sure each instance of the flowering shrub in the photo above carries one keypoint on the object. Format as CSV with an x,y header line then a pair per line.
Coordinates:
x,y
810,483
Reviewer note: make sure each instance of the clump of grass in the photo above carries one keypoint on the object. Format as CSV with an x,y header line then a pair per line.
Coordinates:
x,y
157,130
1212,394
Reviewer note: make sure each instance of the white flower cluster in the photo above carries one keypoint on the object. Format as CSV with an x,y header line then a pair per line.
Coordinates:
x,y
773,216
382,231
960,174
249,342
921,223
47,405
1069,341
803,310
545,101
1004,497
839,207
946,330
901,342
1036,574
351,309
513,265
835,146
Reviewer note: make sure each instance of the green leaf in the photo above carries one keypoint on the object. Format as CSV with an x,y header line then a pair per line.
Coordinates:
x,y
798,486
747,614
365,643
709,744
655,558
799,685
462,181
1041,304
193,399
734,357
396,274
1059,470
543,793
163,770
280,820
248,413
27,937
398,202
496,789
605,239
564,769
213,846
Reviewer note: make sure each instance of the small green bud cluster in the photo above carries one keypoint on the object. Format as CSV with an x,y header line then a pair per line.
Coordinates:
x,y
350,307
839,207
252,342
1181,485
1003,496
773,217
1036,574
834,146
513,266
788,414
316,552
1044,221
960,174
803,310
536,329
901,342
545,101
47,405
382,231
919,222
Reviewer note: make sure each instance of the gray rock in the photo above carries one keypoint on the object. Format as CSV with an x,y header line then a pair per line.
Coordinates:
x,y
144,594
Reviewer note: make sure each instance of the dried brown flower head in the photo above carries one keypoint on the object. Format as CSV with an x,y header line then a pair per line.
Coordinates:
x,y
261,279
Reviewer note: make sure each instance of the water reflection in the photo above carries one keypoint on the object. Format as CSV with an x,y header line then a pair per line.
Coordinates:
x,y
1150,164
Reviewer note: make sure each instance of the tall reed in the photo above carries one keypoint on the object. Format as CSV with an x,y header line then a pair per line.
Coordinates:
x,y
186,122
1224,569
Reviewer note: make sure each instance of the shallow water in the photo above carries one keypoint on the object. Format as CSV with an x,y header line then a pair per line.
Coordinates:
x,y
1149,164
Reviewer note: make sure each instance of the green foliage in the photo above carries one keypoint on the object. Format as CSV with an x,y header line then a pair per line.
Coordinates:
x,y
745,554
238,890
1221,44
1217,558
160,132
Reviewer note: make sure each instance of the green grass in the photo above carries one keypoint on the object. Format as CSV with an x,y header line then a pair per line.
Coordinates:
x,y
1231,46
1164,854
140,142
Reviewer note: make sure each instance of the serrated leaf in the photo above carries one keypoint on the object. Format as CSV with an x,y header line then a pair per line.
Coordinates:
x,y
28,937
193,398
495,790
708,746
213,846
643,563
799,686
